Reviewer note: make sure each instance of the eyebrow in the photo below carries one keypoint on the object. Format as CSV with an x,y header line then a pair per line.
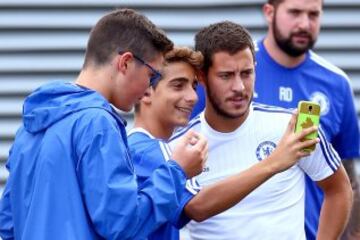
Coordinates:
x,y
226,72
179,79
248,69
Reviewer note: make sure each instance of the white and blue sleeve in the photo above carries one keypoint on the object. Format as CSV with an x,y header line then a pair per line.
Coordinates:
x,y
323,162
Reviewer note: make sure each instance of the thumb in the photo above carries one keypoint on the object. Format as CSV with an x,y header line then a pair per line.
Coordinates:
x,y
190,137
292,122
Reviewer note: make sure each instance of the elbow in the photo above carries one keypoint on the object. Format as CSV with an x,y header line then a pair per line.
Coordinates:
x,y
348,191
199,218
350,194
350,197
346,195
196,212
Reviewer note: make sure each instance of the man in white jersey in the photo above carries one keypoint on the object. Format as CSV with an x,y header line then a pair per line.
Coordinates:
x,y
167,105
240,134
288,71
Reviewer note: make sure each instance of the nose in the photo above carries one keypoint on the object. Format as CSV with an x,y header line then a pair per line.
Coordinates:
x,y
304,21
191,96
238,84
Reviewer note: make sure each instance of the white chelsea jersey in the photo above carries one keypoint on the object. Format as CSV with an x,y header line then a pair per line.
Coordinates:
x,y
275,210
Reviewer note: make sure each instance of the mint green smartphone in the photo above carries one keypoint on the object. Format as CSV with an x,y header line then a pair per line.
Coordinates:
x,y
308,116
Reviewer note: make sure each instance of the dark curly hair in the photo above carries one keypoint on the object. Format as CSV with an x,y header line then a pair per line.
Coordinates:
x,y
223,36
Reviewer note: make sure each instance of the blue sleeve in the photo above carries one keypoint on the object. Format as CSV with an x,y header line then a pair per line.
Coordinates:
x,y
6,220
347,142
191,189
147,156
181,219
116,207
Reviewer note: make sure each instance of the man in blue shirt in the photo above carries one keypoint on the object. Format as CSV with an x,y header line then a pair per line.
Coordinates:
x,y
71,174
167,105
287,71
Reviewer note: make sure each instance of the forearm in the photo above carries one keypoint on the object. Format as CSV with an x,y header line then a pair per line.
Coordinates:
x,y
333,219
117,207
225,194
352,230
336,207
216,198
6,218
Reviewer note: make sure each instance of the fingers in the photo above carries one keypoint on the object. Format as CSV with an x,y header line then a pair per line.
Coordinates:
x,y
189,138
193,140
302,154
189,135
292,122
197,140
307,131
201,145
192,137
308,143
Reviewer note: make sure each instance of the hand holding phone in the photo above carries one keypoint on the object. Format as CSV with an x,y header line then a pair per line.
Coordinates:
x,y
308,116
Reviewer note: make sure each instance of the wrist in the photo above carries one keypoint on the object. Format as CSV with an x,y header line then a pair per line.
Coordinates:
x,y
270,166
174,163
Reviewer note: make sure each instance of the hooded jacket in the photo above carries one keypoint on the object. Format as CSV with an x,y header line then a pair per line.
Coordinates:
x,y
71,176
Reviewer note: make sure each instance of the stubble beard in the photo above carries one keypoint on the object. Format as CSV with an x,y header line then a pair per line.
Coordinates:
x,y
216,105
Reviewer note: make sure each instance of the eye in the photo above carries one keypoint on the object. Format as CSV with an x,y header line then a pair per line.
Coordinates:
x,y
247,74
225,75
294,12
177,85
314,15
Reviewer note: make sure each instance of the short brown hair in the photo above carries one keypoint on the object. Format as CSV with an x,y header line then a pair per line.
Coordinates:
x,y
185,54
275,3
181,54
125,30
223,36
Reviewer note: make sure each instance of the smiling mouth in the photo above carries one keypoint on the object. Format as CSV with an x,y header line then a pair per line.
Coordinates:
x,y
184,109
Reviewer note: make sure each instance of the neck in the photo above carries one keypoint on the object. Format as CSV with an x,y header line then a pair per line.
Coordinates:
x,y
95,80
153,125
279,55
221,123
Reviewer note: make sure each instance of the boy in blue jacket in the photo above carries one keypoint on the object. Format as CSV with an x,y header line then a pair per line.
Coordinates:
x,y
71,174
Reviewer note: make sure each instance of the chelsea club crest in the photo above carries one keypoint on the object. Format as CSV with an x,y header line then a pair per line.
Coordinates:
x,y
265,149
322,100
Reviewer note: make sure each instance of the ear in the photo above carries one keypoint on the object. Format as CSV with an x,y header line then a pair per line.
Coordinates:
x,y
147,97
123,61
268,11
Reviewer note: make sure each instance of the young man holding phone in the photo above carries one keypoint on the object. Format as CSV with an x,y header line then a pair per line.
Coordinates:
x,y
241,133
167,105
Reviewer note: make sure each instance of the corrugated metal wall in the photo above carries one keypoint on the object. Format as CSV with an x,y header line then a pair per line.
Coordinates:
x,y
44,40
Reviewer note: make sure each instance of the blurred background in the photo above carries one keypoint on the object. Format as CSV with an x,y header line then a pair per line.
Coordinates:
x,y
44,40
